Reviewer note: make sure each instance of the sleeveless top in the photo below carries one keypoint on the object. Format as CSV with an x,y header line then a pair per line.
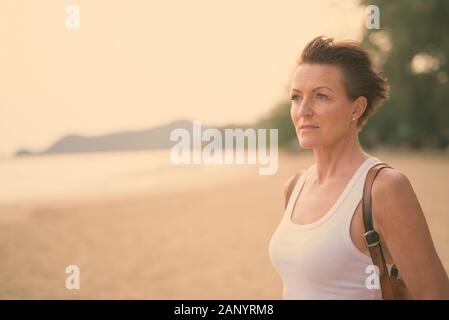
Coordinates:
x,y
319,260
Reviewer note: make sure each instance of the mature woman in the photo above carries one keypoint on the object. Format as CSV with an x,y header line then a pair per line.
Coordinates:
x,y
319,248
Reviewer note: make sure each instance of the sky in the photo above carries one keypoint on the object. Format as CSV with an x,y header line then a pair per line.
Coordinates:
x,y
136,64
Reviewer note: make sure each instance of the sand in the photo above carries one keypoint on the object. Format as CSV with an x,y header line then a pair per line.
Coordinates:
x,y
207,242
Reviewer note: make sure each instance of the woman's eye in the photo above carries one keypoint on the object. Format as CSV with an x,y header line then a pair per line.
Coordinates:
x,y
321,96
295,98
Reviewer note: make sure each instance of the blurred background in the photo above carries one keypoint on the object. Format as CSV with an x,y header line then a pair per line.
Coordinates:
x,y
86,112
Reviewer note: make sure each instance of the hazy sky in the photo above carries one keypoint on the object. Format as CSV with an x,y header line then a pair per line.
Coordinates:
x,y
134,64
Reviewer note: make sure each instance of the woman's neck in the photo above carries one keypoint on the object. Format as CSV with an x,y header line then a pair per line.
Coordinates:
x,y
339,159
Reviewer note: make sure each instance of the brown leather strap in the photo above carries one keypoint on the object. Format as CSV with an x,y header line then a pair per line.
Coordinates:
x,y
291,186
371,237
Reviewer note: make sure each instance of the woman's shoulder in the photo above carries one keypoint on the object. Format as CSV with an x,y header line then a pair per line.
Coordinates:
x,y
392,195
390,181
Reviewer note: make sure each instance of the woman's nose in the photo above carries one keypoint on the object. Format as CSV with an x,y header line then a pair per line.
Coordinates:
x,y
304,109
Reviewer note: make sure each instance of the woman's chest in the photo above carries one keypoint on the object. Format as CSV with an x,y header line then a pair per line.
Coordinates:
x,y
313,203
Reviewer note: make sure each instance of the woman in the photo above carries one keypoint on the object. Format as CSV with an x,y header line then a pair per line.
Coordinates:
x,y
318,248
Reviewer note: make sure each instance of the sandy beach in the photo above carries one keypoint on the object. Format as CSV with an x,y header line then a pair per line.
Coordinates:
x,y
205,242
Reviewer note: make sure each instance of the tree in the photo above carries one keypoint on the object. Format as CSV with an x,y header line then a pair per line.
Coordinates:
x,y
412,48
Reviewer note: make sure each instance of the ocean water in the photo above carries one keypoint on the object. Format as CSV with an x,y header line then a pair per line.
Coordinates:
x,y
63,176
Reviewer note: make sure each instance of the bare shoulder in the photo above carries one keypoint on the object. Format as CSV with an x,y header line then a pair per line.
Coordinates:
x,y
393,197
290,180
390,183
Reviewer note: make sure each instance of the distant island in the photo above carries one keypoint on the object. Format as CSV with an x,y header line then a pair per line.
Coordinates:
x,y
149,139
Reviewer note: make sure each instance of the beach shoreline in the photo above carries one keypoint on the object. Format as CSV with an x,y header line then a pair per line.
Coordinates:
x,y
209,241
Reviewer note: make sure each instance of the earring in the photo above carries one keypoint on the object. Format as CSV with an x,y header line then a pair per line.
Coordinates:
x,y
353,118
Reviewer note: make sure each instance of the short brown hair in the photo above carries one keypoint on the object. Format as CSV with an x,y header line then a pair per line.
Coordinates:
x,y
360,77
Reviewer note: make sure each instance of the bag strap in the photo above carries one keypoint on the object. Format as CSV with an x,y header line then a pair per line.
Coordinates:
x,y
371,237
291,186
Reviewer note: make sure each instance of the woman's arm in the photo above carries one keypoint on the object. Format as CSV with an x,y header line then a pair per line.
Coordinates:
x,y
401,223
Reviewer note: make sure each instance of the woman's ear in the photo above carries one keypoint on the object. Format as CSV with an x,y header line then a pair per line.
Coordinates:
x,y
359,107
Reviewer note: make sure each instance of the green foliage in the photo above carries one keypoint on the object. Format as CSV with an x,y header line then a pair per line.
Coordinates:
x,y
417,113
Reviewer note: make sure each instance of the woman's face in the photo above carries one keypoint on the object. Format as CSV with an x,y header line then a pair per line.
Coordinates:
x,y
320,103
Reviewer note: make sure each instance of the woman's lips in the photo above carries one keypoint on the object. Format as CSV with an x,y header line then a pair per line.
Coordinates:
x,y
308,128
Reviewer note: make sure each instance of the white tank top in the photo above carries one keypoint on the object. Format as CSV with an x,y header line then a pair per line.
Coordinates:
x,y
319,260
